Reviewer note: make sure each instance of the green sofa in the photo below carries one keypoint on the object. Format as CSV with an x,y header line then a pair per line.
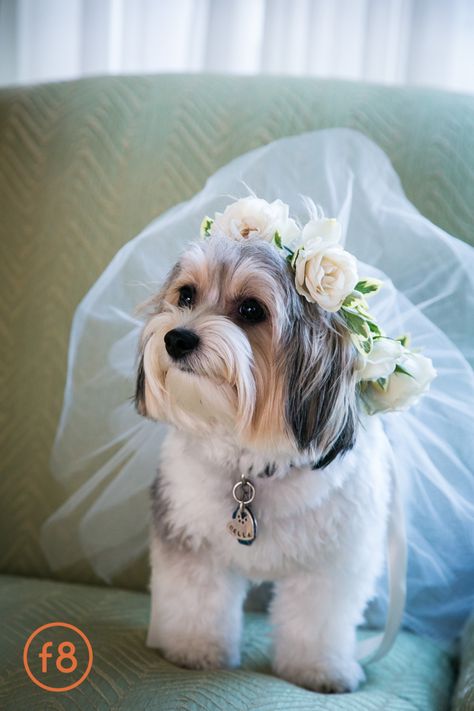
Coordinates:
x,y
84,166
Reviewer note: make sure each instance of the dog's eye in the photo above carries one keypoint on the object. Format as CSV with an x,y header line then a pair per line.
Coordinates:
x,y
252,310
187,295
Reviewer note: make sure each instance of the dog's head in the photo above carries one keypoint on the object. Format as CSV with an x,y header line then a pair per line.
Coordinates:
x,y
230,346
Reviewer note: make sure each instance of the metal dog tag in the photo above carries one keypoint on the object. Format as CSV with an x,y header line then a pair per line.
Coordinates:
x,y
244,524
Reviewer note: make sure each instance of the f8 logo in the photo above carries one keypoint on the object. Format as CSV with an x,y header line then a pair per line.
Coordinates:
x,y
54,650
61,656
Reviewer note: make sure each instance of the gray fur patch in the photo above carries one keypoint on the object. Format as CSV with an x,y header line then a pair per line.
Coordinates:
x,y
160,514
140,388
268,471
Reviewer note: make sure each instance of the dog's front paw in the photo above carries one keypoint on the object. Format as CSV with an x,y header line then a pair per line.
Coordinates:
x,y
201,654
328,676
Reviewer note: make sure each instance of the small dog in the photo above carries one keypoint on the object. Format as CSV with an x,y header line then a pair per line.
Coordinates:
x,y
259,386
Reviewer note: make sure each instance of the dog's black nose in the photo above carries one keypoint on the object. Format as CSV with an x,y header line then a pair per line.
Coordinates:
x,y
179,342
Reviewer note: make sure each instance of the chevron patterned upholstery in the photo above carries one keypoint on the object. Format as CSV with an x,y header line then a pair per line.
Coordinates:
x,y
127,676
86,165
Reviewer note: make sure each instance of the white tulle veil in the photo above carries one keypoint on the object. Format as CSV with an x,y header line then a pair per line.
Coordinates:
x,y
107,455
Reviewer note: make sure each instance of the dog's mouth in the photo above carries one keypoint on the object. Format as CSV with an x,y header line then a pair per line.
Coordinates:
x,y
191,366
194,370
184,368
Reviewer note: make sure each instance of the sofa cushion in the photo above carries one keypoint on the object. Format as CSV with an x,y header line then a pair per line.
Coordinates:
x,y
126,675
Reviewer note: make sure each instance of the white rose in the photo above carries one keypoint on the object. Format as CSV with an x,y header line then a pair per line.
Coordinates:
x,y
318,233
402,391
325,275
382,359
254,217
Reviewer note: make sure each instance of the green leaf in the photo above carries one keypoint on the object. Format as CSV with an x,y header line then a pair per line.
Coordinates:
x,y
362,344
356,323
362,309
400,369
382,383
205,229
367,345
277,240
350,301
293,256
356,303
368,286
350,310
374,328
404,340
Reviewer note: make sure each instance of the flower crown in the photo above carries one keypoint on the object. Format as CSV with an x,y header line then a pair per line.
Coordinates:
x,y
391,377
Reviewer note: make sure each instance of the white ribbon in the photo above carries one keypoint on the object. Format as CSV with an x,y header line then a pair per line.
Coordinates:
x,y
374,648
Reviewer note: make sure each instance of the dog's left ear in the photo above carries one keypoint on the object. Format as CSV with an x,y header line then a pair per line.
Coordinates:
x,y
321,401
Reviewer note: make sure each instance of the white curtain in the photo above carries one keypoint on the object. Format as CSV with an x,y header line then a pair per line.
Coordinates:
x,y
416,42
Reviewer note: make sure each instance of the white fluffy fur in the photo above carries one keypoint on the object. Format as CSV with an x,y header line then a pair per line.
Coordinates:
x,y
320,538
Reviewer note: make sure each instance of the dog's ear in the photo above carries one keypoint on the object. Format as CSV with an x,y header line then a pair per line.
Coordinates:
x,y
139,397
152,306
321,401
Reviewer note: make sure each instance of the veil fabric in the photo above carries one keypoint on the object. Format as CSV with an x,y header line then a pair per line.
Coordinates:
x,y
107,455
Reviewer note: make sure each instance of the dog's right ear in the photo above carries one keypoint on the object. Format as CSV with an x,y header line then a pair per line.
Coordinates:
x,y
139,398
146,310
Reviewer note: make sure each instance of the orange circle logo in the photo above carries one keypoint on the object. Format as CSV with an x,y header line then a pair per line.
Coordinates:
x,y
54,651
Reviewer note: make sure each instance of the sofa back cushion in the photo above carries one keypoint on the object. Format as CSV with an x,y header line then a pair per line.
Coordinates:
x,y
85,165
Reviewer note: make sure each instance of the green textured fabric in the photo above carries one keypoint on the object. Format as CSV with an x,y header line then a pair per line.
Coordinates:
x,y
85,165
126,675
464,696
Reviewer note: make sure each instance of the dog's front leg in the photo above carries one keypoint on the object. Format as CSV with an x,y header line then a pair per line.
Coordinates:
x,y
196,608
314,625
